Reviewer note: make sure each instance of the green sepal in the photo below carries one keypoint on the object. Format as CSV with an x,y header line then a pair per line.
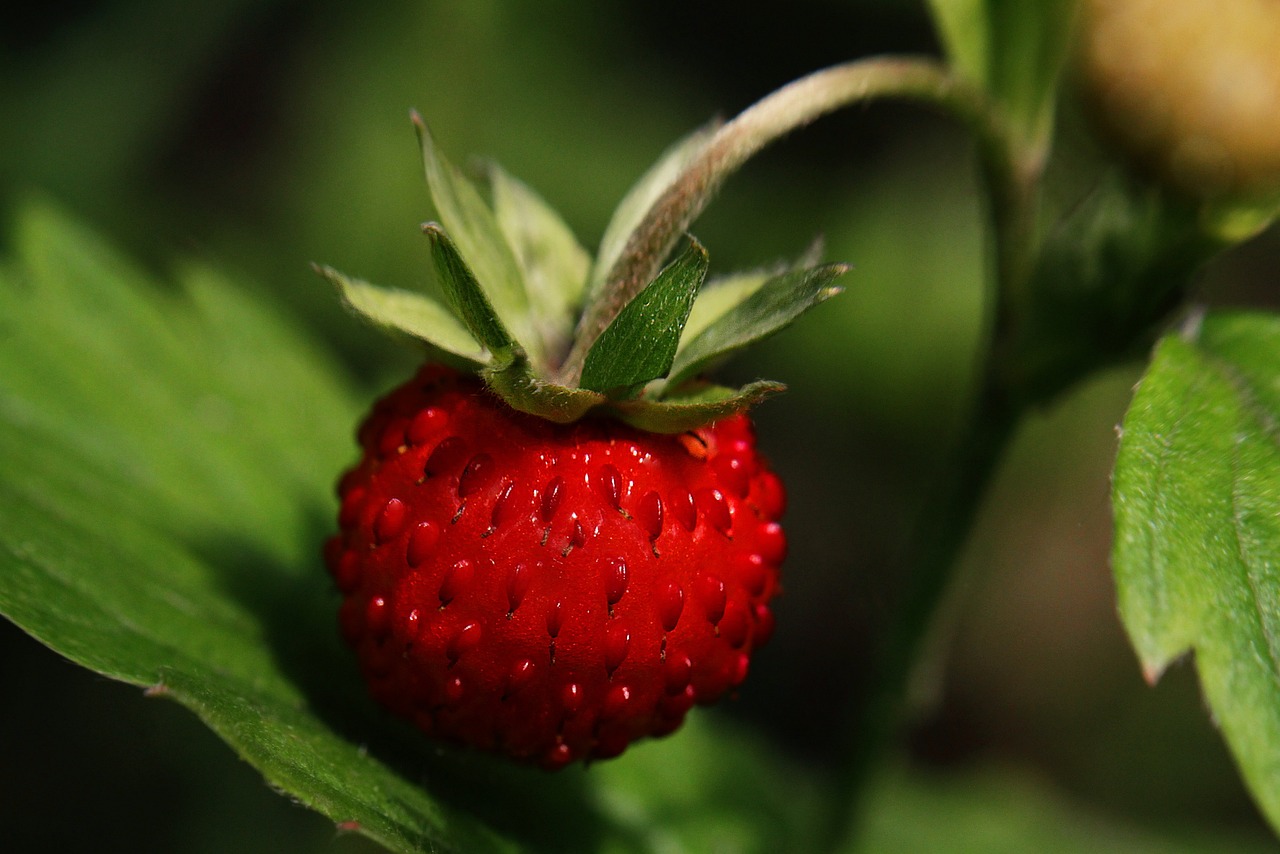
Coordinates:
x,y
467,299
415,315
521,388
475,230
553,264
692,406
771,307
718,295
640,344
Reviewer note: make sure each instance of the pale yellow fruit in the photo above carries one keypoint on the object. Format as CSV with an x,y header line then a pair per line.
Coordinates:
x,y
1190,88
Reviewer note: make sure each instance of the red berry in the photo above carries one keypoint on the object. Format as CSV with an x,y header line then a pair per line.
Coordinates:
x,y
552,592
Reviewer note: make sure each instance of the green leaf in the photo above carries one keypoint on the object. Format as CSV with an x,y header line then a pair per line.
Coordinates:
x,y
480,240
413,314
770,308
692,406
467,299
166,456
1013,48
635,205
1197,548
552,261
640,344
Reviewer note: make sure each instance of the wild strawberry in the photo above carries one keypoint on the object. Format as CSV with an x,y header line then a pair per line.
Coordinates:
x,y
552,591
566,553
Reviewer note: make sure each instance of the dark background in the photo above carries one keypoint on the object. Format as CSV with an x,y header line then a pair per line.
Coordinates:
x,y
262,136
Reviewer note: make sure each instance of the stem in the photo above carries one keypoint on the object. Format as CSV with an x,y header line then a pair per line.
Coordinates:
x,y
1012,169
771,118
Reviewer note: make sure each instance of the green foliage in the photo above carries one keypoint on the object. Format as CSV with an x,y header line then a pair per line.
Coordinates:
x,y
1197,550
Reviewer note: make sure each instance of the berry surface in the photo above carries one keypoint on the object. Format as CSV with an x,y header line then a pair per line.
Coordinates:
x,y
551,592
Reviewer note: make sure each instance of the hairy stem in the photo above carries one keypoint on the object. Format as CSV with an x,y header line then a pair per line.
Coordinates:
x,y
791,107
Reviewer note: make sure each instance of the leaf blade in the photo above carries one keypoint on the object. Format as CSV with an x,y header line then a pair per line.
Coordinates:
x,y
774,305
466,297
1197,549
694,406
412,314
554,265
479,239
641,343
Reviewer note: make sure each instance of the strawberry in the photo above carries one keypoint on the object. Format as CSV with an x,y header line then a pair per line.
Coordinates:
x,y
559,537
551,591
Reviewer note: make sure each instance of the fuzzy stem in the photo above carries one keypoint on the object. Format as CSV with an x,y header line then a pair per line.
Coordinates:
x,y
771,118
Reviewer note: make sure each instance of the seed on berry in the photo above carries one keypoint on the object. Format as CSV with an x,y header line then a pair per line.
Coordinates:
x,y
346,572
453,689
711,591
393,437
390,521
715,509
649,514
426,424
446,456
352,503
670,604
571,698
555,618
733,473
518,581
422,542
615,580
753,572
677,671
735,624
522,673
466,638
771,497
773,543
681,504
456,578
552,494
480,471
377,617
608,482
616,701
616,641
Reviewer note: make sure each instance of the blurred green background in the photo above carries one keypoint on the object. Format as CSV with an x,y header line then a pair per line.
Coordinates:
x,y
263,136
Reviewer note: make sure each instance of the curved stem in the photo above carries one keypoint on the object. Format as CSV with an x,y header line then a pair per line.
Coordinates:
x,y
791,107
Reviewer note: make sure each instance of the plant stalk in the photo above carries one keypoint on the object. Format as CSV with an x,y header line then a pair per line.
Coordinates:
x,y
773,117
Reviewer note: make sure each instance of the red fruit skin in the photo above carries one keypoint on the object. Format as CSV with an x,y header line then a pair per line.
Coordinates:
x,y
551,592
